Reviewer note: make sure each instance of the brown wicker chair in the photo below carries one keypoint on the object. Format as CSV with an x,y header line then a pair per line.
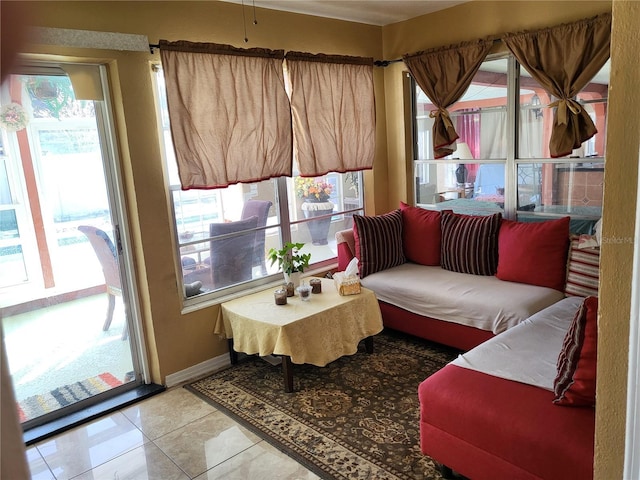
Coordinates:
x,y
106,253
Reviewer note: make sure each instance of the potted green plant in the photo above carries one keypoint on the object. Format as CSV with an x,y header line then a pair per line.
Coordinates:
x,y
290,260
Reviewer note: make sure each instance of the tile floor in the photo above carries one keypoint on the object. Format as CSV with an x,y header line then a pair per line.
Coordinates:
x,y
171,436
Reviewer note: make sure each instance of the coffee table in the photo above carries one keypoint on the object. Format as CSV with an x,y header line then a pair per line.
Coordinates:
x,y
317,332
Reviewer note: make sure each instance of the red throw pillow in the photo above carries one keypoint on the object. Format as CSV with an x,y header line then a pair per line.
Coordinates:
x,y
534,252
470,243
421,234
378,242
575,383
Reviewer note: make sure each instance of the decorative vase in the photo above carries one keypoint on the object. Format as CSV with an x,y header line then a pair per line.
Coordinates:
x,y
319,229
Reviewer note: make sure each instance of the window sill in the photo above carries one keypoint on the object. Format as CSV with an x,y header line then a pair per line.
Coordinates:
x,y
193,307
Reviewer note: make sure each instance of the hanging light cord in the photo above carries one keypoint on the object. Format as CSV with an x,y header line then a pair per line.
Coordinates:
x,y
244,20
244,24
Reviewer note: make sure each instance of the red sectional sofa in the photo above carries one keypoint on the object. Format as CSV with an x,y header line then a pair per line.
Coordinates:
x,y
485,427
477,417
397,318
493,413
428,292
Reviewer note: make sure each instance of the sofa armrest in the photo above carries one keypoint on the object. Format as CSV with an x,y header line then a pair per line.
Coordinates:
x,y
346,245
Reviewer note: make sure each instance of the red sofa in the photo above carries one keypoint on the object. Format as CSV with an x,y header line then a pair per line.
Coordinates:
x,y
446,293
487,425
481,422
396,318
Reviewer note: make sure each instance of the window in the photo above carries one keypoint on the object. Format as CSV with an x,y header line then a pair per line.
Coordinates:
x,y
504,112
223,235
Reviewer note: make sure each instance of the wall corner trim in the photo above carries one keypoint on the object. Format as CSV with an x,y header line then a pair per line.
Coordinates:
x,y
197,371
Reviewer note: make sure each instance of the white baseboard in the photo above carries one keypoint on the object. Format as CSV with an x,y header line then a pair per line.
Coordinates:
x,y
198,371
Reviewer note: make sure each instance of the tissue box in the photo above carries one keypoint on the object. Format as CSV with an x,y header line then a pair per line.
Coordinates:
x,y
346,285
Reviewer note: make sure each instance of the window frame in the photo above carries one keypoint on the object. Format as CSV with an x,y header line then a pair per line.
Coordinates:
x,y
512,160
284,200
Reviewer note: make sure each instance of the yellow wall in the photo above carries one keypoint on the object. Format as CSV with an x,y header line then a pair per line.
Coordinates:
x,y
179,341
619,211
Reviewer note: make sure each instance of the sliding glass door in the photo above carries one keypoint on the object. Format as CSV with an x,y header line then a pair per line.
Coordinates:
x,y
64,288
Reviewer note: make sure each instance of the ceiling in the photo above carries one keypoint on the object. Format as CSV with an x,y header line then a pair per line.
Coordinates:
x,y
372,12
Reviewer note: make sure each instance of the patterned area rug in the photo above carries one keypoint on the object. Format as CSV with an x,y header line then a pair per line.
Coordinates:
x,y
357,418
32,407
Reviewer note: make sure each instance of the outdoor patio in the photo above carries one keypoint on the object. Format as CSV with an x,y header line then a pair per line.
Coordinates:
x,y
64,343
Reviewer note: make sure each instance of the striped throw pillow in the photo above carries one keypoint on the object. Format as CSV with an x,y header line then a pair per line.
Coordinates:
x,y
575,382
378,242
583,274
470,243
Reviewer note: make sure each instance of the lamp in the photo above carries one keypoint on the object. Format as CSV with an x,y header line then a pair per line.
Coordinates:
x,y
535,102
462,153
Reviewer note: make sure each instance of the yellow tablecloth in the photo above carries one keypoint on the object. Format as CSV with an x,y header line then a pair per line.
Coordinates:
x,y
317,332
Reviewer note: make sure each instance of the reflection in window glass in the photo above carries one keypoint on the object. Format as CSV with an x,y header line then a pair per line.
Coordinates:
x,y
561,189
468,188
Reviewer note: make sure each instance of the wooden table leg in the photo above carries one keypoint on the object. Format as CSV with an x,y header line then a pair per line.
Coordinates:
x,y
233,355
287,372
368,344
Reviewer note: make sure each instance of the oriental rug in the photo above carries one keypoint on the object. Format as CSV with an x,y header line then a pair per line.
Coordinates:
x,y
356,418
37,405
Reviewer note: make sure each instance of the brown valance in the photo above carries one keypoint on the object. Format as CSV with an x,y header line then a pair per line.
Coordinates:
x,y
563,60
324,58
229,113
333,109
444,74
218,48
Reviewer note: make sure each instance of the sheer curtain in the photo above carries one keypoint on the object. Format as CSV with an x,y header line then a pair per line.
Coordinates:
x,y
229,113
531,135
493,133
563,60
491,176
468,127
333,108
444,74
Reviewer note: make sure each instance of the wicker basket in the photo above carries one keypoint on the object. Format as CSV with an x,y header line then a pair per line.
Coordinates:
x,y
346,285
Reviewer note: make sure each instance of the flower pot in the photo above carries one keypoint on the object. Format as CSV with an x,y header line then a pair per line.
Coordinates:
x,y
318,229
293,278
